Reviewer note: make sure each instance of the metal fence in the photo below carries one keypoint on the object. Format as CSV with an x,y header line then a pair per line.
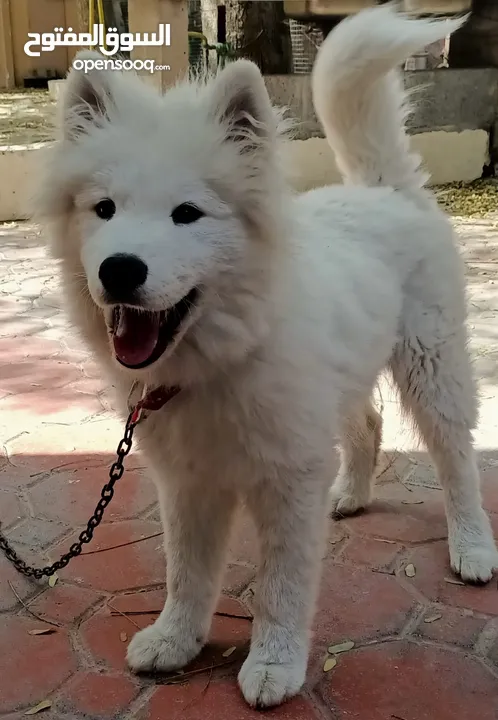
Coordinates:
x,y
305,41
196,53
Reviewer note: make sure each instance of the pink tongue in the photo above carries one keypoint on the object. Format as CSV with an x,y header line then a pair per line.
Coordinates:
x,y
138,336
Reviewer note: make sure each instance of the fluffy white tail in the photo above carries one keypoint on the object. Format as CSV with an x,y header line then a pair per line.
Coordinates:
x,y
359,97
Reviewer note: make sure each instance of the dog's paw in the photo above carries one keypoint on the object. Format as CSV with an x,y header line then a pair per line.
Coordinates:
x,y
346,499
474,563
266,684
157,649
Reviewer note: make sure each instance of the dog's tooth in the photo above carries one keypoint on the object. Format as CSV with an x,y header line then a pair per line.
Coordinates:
x,y
121,324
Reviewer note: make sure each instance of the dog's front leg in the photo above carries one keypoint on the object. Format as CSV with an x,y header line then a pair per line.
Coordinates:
x,y
196,523
290,517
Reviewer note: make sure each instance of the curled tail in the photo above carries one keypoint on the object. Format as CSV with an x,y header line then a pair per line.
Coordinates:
x,y
359,97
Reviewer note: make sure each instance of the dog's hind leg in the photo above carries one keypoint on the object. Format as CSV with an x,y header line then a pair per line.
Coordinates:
x,y
196,524
361,436
436,385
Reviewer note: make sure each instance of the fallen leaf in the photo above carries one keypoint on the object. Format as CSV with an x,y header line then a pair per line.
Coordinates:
x,y
433,618
229,652
341,647
123,637
476,199
452,581
43,631
330,663
52,580
412,502
44,705
410,570
336,540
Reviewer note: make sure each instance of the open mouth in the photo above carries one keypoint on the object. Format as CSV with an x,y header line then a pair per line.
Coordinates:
x,y
140,337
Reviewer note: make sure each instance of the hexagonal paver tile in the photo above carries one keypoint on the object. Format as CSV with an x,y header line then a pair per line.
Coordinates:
x,y
97,695
220,700
9,576
106,634
74,495
433,572
89,387
46,447
452,626
36,467
22,327
64,603
403,516
31,666
37,533
17,377
375,553
13,477
69,408
359,604
10,508
137,562
14,424
412,682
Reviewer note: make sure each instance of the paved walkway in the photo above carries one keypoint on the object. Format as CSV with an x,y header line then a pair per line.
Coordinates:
x,y
425,647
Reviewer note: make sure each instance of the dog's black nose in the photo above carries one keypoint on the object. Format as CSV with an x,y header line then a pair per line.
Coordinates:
x,y
122,275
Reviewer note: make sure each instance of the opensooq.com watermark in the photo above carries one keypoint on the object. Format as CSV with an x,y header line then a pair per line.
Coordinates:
x,y
108,43
87,65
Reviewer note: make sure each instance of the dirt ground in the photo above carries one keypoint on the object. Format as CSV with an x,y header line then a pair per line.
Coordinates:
x,y
26,116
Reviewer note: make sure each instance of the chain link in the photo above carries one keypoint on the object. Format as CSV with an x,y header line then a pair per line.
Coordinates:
x,y
115,474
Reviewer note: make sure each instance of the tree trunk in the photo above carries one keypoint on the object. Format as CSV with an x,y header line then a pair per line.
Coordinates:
x,y
258,31
118,16
113,11
476,44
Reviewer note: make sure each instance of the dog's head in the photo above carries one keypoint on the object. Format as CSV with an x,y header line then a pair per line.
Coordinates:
x,y
165,213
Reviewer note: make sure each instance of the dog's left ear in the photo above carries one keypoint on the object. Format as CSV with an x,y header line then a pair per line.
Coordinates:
x,y
241,104
87,96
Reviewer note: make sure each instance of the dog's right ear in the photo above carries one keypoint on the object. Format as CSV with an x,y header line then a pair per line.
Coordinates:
x,y
241,104
87,96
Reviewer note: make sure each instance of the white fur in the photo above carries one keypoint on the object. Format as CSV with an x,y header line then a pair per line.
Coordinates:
x,y
305,300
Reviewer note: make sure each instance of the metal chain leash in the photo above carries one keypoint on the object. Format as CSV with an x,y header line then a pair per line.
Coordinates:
x,y
115,473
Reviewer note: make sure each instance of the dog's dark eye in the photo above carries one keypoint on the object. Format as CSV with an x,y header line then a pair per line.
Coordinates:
x,y
105,209
185,214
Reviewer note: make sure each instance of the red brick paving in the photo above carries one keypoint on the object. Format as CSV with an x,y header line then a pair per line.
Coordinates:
x,y
97,695
404,680
139,563
32,666
73,493
219,700
64,604
57,438
452,626
432,576
12,508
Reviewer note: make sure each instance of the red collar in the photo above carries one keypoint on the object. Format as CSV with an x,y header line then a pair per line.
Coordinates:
x,y
153,400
